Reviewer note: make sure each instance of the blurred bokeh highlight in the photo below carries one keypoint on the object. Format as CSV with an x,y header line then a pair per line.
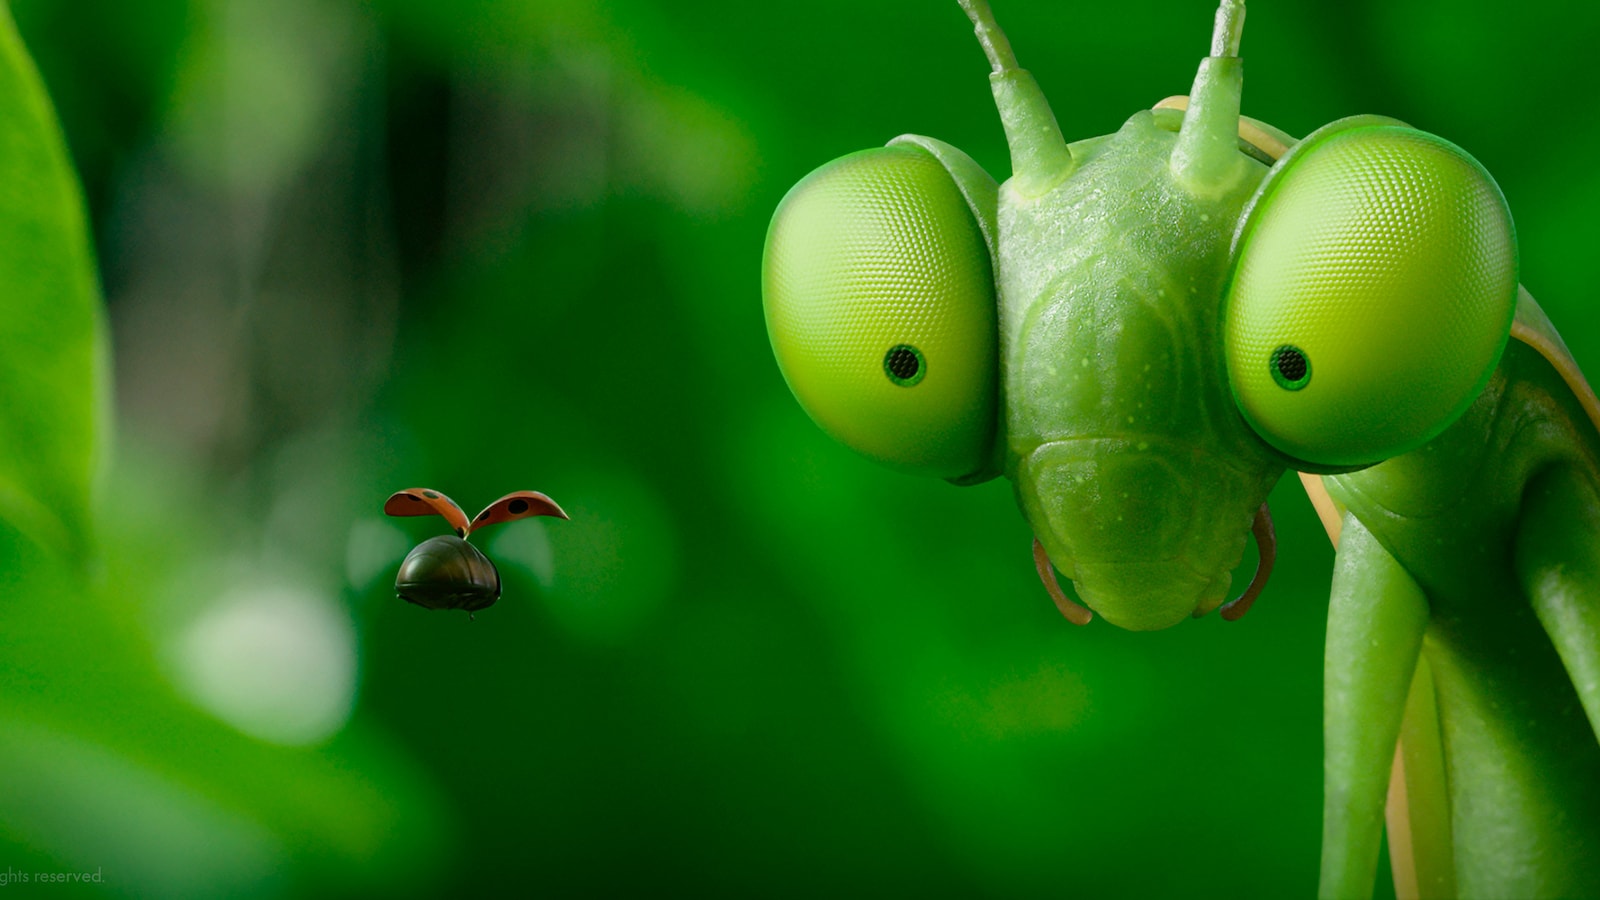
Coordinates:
x,y
348,248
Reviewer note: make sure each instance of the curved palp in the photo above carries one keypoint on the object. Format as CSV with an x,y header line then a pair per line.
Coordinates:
x,y
1267,546
1075,612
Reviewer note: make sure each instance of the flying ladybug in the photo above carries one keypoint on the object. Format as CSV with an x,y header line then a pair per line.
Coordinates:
x,y
446,572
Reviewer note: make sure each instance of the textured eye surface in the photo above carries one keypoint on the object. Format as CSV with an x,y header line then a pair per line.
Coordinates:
x,y
1374,284
880,306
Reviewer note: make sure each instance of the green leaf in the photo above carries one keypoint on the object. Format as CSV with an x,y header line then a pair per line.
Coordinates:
x,y
53,359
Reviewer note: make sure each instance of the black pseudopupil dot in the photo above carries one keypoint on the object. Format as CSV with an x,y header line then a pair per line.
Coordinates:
x,y
1290,368
903,363
1292,364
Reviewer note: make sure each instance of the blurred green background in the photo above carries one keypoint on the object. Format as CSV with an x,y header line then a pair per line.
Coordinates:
x,y
353,247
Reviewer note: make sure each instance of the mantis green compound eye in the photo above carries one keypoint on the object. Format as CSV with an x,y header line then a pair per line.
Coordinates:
x,y
1374,281
881,308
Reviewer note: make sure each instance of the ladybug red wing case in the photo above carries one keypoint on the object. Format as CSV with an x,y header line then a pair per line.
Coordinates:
x,y
517,505
428,502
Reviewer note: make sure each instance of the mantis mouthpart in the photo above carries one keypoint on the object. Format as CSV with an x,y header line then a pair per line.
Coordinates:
x,y
1071,610
1267,546
1266,543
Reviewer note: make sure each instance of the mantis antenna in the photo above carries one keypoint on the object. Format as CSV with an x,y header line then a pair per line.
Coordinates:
x,y
1206,159
1039,156
990,37
1230,26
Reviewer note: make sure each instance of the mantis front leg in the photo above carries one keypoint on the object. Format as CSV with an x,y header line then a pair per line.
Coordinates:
x,y
1558,565
1376,621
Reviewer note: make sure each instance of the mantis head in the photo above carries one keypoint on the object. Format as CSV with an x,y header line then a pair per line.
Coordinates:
x,y
1143,330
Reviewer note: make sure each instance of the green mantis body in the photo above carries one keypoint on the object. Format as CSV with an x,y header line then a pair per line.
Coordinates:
x,y
1143,331
1496,587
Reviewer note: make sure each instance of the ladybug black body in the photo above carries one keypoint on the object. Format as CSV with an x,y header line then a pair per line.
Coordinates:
x,y
446,572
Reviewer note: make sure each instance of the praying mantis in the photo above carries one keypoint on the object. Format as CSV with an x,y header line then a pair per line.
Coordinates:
x,y
1144,331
